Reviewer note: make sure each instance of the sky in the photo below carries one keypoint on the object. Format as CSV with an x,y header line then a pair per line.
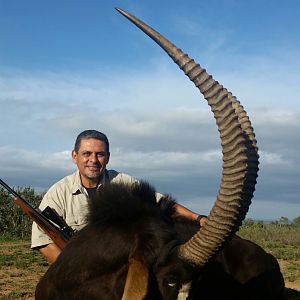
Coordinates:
x,y
71,65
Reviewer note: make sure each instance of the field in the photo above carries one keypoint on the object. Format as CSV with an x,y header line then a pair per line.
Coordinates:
x,y
21,268
283,241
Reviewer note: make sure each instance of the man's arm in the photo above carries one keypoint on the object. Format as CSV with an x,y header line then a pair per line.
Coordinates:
x,y
39,239
185,212
50,252
180,210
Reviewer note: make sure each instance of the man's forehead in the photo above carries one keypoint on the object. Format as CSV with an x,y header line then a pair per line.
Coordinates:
x,y
91,143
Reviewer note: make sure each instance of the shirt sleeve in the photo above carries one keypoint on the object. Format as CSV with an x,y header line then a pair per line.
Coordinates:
x,y
125,178
38,237
158,196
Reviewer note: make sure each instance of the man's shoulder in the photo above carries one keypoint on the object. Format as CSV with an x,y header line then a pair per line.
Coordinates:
x,y
117,177
66,182
59,192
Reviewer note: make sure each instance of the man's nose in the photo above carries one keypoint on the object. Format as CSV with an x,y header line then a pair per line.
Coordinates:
x,y
93,157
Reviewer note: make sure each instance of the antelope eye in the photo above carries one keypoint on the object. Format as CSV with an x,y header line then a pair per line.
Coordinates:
x,y
172,284
170,280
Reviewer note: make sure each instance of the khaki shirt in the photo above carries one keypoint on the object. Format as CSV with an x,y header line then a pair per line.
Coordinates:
x,y
70,200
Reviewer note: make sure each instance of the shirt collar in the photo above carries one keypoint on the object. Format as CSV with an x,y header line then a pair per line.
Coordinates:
x,y
78,188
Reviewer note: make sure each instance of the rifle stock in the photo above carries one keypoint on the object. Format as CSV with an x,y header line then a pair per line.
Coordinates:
x,y
58,235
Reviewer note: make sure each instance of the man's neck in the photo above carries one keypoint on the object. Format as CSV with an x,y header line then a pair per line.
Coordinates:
x,y
90,183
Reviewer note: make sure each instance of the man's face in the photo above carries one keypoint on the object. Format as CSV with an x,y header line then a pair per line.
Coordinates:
x,y
91,160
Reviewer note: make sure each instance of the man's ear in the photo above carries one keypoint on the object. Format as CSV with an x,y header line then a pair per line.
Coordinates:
x,y
74,156
107,157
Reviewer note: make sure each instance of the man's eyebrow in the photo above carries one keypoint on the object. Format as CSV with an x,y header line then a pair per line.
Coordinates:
x,y
97,152
86,151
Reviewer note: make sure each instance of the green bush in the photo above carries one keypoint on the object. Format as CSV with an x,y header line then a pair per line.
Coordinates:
x,y
13,221
296,222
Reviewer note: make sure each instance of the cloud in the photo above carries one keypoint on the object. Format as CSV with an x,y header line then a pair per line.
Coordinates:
x,y
159,126
29,168
274,159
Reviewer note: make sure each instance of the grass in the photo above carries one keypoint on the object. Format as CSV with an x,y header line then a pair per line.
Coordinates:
x,y
21,268
283,241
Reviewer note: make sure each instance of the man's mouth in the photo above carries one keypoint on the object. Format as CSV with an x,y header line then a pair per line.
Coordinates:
x,y
94,168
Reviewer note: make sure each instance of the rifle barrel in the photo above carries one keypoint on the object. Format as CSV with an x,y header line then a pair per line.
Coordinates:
x,y
60,236
14,193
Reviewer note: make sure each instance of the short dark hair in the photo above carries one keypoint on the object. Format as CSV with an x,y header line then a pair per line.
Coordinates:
x,y
91,134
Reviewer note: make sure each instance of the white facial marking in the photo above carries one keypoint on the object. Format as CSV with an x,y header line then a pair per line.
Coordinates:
x,y
184,291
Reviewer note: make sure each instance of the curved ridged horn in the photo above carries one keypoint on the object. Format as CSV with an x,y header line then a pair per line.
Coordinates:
x,y
240,157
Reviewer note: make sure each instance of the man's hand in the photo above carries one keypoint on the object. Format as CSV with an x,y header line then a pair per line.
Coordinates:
x,y
181,211
201,219
50,252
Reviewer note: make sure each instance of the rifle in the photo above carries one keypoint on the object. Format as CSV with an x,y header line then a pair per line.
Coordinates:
x,y
48,219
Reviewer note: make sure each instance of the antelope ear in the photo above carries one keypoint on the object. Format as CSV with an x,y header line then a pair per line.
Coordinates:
x,y
136,285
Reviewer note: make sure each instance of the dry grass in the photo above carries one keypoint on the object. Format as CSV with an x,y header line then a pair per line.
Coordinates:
x,y
21,268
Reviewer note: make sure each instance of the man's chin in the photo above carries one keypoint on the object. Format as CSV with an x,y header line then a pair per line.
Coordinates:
x,y
94,175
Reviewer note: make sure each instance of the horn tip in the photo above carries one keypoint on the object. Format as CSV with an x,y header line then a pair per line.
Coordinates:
x,y
121,11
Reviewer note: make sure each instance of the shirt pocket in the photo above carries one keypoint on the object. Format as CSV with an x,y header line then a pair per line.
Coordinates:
x,y
77,221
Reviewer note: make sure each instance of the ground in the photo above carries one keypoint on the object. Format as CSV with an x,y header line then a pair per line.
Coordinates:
x,y
21,268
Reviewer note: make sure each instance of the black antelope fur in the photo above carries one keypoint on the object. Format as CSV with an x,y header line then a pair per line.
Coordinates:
x,y
126,223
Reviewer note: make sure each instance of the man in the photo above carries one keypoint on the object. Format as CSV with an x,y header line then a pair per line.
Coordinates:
x,y
69,197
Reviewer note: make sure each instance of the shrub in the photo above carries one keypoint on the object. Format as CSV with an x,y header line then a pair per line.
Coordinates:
x,y
13,221
296,222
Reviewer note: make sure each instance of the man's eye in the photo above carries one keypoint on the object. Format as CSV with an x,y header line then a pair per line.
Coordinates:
x,y
100,154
